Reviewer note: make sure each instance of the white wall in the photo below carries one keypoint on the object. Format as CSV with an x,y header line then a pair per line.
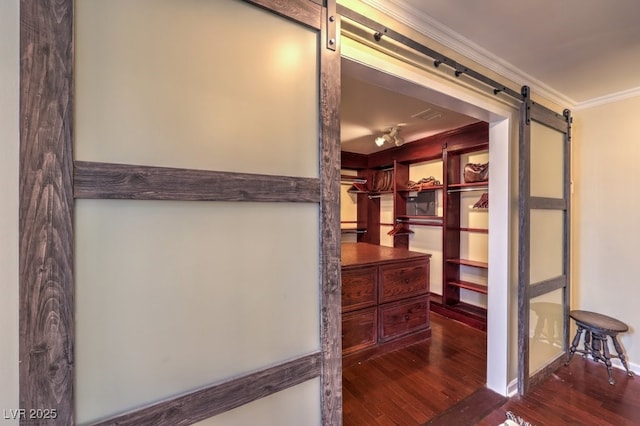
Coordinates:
x,y
606,203
9,142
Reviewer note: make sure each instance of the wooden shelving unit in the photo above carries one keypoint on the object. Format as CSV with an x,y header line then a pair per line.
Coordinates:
x,y
455,260
448,150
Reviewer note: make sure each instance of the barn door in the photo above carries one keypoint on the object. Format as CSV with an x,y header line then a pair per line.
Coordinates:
x,y
179,189
544,226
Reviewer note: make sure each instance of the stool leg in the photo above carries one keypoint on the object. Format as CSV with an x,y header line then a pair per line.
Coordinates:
x,y
587,344
574,345
596,347
621,356
606,357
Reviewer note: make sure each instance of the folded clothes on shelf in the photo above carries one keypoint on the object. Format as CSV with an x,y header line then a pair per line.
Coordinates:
x,y
423,184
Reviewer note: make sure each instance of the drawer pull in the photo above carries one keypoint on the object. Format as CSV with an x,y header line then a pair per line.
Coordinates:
x,y
406,280
406,317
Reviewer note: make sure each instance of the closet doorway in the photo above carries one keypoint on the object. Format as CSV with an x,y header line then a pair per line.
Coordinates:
x,y
463,108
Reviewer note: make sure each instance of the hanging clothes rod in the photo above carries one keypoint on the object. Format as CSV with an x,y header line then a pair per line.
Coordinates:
x,y
381,31
469,189
353,231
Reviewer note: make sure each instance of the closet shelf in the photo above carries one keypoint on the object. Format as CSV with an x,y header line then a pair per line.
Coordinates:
x,y
467,187
478,288
467,262
420,220
353,230
424,189
348,180
378,194
475,230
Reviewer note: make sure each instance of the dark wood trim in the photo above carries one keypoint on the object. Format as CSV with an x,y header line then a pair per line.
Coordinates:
x,y
330,234
122,181
475,230
352,160
46,317
548,117
544,287
524,158
567,225
217,399
547,203
473,316
547,370
471,137
303,11
526,291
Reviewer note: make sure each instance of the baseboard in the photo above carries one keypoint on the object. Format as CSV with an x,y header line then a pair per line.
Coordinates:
x,y
632,366
471,315
512,388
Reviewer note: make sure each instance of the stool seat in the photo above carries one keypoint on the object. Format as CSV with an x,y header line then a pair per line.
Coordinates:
x,y
601,322
597,328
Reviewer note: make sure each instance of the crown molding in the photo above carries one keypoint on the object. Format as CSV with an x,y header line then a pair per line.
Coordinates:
x,y
603,100
426,25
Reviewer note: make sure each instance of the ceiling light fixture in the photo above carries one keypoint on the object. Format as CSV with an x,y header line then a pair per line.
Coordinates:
x,y
391,135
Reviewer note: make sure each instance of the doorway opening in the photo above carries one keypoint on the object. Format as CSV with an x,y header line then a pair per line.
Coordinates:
x,y
365,76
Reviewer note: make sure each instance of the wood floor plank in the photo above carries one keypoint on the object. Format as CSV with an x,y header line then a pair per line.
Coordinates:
x,y
416,384
577,394
470,410
419,381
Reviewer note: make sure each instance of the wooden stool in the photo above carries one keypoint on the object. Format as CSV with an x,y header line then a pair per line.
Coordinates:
x,y
598,327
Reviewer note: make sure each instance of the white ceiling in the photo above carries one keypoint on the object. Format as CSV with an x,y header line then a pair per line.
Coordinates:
x,y
578,50
368,110
573,52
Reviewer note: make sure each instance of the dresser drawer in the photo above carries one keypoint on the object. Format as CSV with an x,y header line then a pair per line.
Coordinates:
x,y
359,330
400,318
405,279
359,288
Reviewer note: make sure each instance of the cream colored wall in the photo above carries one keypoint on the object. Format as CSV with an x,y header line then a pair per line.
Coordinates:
x,y
167,93
9,144
606,202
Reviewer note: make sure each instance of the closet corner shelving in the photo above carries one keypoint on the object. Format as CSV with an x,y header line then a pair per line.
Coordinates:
x,y
456,229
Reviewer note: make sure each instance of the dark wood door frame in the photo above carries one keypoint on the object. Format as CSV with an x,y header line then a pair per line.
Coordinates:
x,y
531,111
50,181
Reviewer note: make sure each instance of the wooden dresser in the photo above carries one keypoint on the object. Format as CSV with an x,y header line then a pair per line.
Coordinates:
x,y
385,299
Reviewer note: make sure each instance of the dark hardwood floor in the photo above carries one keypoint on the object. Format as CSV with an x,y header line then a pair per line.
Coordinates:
x,y
414,384
441,382
577,394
